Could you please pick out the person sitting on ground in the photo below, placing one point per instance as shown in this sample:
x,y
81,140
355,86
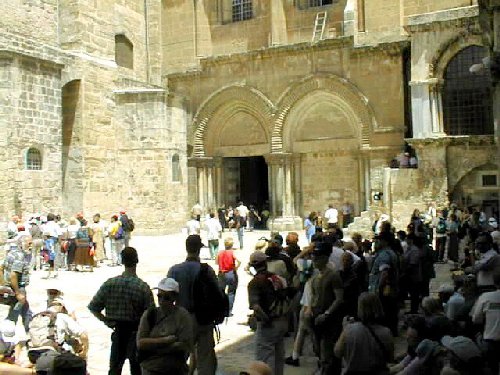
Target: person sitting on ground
x,y
438,324
464,357
69,336
416,332
165,334
364,345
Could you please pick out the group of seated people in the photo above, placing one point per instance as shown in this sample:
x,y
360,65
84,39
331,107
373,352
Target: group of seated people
x,y
55,342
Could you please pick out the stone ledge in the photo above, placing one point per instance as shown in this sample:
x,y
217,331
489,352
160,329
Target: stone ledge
x,y
413,22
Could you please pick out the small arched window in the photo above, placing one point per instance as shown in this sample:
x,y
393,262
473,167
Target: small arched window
x,y
33,159
124,51
176,169
467,97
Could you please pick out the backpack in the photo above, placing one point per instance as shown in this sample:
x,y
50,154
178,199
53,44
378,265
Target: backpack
x,y
119,233
68,363
441,227
130,225
42,330
211,304
282,301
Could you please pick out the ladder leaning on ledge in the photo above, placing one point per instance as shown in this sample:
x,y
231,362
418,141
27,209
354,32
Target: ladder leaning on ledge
x,y
319,27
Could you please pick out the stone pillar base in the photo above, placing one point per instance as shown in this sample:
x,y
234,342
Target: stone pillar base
x,y
285,223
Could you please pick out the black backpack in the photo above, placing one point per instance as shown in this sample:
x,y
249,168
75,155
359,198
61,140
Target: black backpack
x,y
211,304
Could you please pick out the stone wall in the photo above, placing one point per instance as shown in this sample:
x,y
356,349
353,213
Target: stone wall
x,y
31,107
37,19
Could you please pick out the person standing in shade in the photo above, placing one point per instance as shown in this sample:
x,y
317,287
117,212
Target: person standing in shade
x,y
124,298
214,232
228,266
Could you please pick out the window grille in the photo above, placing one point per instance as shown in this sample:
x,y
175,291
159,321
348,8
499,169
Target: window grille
x,y
319,3
467,97
242,10
33,160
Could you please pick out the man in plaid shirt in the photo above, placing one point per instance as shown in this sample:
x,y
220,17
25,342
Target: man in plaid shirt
x,y
125,298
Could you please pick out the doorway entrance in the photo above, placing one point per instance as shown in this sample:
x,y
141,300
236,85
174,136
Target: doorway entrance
x,y
246,179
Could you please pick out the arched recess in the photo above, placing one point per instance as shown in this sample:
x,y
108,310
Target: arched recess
x,y
321,117
222,106
449,49
341,89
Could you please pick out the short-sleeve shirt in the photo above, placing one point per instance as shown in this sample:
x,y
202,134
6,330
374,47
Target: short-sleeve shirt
x,y
185,274
193,227
225,260
261,292
125,298
16,261
323,288
487,310
66,330
179,323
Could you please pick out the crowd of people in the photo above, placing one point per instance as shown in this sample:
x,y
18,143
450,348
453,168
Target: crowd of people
x,y
349,298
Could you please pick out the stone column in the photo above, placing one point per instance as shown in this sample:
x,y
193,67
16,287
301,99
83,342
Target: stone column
x,y
219,199
205,180
427,109
297,183
282,192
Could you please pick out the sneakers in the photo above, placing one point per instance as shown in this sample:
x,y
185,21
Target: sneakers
x,y
292,362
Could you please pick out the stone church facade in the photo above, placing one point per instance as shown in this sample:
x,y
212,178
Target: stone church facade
x,y
152,106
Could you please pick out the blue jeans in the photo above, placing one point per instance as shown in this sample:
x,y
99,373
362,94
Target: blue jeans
x,y
123,346
229,280
213,245
240,236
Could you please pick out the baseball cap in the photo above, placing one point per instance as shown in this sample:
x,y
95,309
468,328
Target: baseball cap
x,y
8,331
493,222
258,257
168,285
463,347
194,241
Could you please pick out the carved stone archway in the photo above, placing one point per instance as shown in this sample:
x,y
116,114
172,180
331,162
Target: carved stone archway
x,y
219,103
339,87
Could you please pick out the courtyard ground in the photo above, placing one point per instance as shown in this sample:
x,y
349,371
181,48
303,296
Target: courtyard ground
x,y
156,255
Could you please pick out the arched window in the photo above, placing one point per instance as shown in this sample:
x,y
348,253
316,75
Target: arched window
x,y
124,51
467,97
176,169
33,159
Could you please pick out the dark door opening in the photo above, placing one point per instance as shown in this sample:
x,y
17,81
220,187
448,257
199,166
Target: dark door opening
x,y
246,180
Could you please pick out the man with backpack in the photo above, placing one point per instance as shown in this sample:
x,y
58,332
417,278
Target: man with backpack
x,y
128,226
124,298
199,293
54,333
269,299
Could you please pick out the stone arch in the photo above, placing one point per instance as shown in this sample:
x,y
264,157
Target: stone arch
x,y
461,179
223,104
449,49
306,120
340,87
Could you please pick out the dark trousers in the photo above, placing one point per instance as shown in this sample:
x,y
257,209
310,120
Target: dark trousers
x,y
326,336
441,247
414,289
492,352
123,346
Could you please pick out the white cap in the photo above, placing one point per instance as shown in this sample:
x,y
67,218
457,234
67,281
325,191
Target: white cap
x,y
168,285
493,222
8,331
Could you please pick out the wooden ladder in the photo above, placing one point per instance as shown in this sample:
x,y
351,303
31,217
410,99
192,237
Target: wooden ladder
x,y
319,27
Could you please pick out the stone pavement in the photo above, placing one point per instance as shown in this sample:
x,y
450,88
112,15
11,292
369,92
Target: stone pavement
x,y
156,255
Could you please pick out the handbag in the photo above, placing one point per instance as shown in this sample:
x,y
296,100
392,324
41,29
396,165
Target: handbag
x,y
64,246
